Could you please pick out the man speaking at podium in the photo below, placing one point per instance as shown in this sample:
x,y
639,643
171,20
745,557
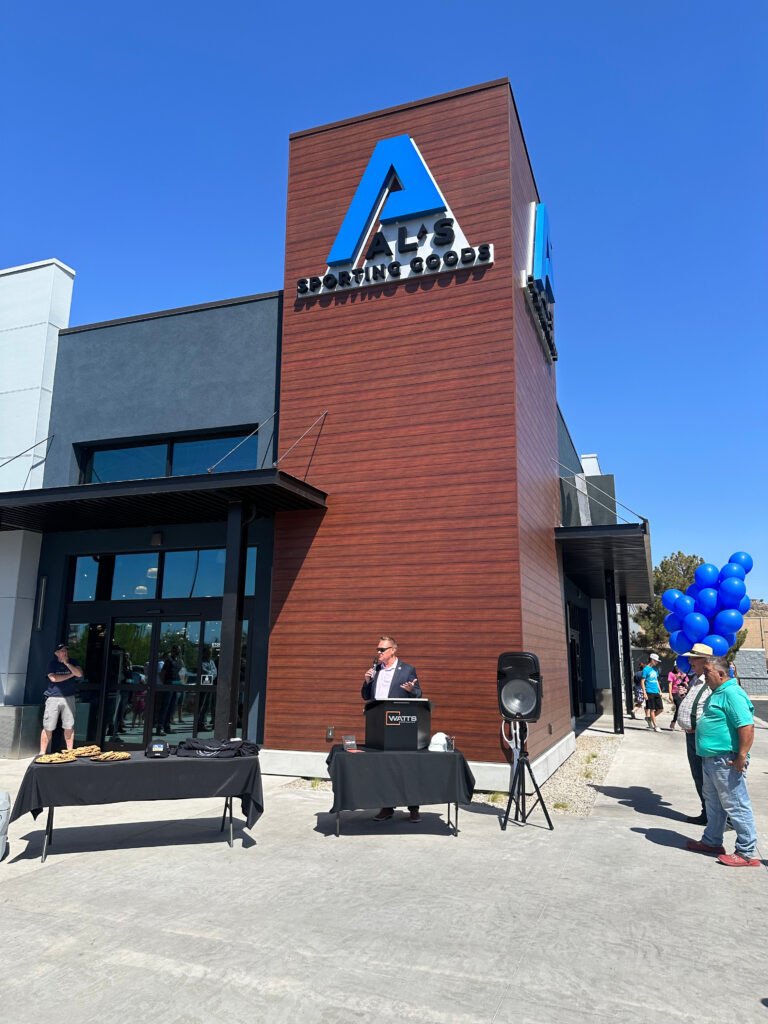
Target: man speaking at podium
x,y
390,677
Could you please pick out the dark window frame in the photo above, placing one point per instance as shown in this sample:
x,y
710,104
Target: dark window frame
x,y
102,585
85,450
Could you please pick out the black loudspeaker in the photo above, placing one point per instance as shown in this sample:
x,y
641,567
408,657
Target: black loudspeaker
x,y
519,686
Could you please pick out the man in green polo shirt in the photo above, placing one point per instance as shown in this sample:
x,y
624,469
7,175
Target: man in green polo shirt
x,y
724,734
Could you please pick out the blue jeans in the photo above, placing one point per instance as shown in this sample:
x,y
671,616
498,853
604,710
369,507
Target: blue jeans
x,y
694,762
726,796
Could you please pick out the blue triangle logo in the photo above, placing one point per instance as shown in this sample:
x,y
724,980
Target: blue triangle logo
x,y
395,186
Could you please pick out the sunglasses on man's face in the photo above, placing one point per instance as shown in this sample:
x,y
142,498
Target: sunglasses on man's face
x,y
382,649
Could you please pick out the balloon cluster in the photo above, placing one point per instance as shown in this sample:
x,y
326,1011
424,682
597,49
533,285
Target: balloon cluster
x,y
712,609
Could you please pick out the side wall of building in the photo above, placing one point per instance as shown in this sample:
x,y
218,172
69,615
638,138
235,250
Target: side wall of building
x,y
543,611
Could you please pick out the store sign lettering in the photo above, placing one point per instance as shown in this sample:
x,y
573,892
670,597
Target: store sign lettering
x,y
416,232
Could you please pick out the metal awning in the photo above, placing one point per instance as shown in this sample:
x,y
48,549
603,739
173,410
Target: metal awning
x,y
588,551
201,498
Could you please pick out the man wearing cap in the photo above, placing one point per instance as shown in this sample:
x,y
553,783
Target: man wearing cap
x,y
724,735
653,702
60,697
688,714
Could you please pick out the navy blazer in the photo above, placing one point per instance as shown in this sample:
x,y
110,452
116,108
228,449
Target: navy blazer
x,y
403,674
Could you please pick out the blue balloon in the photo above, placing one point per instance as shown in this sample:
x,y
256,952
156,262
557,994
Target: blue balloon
x,y
683,663
684,606
719,644
708,602
728,621
732,569
743,559
730,639
706,575
672,623
731,592
744,605
669,597
679,642
693,591
695,626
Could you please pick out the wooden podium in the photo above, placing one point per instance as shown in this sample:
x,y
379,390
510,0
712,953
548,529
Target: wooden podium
x,y
398,724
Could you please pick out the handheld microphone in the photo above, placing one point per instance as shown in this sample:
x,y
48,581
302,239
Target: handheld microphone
x,y
376,666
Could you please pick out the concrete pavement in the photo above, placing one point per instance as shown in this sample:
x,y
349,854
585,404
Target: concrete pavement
x,y
142,910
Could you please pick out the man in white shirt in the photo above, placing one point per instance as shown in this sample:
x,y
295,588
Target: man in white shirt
x,y
390,677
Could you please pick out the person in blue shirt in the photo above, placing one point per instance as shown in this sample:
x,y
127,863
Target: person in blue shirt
x,y
724,735
63,673
653,702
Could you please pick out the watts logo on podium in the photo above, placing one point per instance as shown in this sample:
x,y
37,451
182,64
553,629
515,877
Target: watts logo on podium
x,y
415,230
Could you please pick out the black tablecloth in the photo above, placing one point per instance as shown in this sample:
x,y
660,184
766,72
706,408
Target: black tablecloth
x,y
85,782
398,778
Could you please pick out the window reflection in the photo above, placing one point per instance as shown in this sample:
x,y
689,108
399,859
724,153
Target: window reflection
x,y
186,574
86,574
135,577
190,457
86,641
136,463
194,573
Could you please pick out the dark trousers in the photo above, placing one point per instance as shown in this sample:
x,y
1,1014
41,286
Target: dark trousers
x,y
697,769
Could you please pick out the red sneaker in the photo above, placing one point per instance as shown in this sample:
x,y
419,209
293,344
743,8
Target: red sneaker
x,y
735,860
699,847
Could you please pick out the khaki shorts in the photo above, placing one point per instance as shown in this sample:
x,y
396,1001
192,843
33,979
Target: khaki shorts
x,y
55,706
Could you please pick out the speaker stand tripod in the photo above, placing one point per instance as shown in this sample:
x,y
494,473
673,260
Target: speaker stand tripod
x,y
518,741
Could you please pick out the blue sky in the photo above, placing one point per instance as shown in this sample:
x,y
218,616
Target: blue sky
x,y
146,146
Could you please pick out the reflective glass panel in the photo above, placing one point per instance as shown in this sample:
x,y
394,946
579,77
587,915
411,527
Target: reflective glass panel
x,y
194,573
137,463
190,457
135,577
250,572
86,571
241,710
209,672
176,704
127,685
85,642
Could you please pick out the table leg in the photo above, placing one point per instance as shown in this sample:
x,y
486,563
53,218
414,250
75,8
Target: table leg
x,y
338,823
48,841
456,829
228,808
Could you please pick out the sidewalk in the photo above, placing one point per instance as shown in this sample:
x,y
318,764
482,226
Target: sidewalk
x,y
142,910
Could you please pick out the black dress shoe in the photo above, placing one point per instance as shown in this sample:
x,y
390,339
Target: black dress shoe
x,y
701,819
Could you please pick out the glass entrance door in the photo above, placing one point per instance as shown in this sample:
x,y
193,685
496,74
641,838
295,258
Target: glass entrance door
x,y
158,679
127,683
177,679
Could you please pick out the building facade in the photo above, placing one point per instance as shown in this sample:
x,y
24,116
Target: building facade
x,y
241,497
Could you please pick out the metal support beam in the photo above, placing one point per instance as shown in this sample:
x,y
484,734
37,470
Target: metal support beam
x,y
613,650
629,701
228,679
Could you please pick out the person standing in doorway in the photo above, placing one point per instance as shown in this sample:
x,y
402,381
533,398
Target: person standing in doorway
x,y
63,672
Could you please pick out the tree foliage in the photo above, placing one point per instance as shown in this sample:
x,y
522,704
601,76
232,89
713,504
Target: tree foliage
x,y
677,572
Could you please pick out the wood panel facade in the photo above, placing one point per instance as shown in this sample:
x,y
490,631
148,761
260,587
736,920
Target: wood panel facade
x,y
436,450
